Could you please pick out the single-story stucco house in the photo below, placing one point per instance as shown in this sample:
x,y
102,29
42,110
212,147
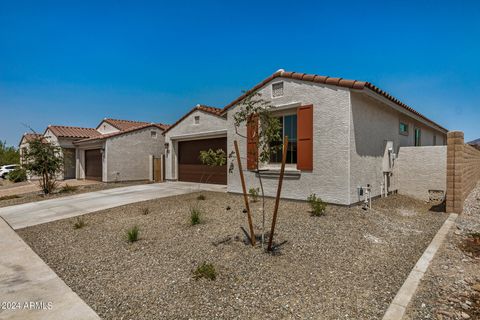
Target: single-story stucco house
x,y
116,150
344,135
123,151
202,128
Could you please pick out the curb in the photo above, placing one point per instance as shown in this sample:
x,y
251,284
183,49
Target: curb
x,y
397,308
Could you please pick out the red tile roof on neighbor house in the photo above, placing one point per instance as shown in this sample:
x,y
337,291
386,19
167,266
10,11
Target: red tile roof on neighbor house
x,y
73,132
31,136
123,124
114,134
339,82
201,107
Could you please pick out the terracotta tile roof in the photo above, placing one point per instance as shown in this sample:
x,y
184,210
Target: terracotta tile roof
x,y
31,136
124,124
73,132
114,134
201,107
339,82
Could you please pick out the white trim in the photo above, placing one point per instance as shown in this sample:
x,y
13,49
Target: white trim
x,y
201,135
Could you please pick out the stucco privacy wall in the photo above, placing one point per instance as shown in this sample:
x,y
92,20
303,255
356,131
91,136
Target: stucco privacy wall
x,y
127,155
420,169
330,176
463,170
372,124
209,126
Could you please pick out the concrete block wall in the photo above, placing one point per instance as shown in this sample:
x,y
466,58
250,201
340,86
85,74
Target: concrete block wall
x,y
463,170
418,170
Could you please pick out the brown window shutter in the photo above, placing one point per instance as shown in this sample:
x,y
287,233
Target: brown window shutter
x,y
305,137
252,142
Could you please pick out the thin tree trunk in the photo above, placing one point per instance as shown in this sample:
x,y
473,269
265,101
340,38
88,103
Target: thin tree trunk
x,y
279,191
245,197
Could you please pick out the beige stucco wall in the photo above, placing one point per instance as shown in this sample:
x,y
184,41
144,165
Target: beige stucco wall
x,y
127,156
372,124
420,169
62,143
105,127
209,126
330,177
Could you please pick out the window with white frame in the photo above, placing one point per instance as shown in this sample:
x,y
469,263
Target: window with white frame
x,y
196,120
277,89
153,134
288,127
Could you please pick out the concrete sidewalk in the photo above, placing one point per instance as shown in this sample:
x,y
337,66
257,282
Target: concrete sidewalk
x,y
30,289
29,214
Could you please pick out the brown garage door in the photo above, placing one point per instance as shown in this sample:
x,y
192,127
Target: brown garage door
x,y
93,164
191,169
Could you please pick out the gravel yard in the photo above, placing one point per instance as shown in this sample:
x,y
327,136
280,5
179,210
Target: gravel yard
x,y
347,264
39,196
451,287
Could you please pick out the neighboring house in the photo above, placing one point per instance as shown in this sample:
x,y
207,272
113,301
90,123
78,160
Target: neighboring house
x,y
64,137
342,133
116,150
122,151
25,143
202,128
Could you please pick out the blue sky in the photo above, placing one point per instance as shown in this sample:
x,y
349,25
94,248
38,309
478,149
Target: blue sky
x,y
74,63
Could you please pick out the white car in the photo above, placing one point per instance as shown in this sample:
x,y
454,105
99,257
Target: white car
x,y
4,170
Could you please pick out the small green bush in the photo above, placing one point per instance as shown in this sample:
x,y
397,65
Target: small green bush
x,y
67,189
132,234
253,192
195,216
201,197
317,205
145,211
17,175
79,223
205,270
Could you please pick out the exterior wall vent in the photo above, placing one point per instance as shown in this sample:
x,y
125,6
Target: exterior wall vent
x,y
277,89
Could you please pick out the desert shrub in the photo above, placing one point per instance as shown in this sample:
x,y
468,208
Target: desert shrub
x,y
201,197
253,192
132,234
79,223
17,175
13,196
145,211
195,215
67,189
205,270
317,205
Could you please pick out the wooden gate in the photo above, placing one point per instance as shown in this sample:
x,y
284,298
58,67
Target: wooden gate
x,y
158,175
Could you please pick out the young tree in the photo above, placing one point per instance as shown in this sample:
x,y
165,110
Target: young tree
x,y
268,141
43,159
8,155
212,158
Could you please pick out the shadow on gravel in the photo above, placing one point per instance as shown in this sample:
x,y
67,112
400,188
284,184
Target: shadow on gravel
x,y
441,207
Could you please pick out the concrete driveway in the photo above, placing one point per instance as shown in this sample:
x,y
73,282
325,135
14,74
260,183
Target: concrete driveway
x,y
29,214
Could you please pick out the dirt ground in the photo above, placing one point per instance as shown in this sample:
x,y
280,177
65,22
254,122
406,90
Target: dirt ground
x,y
11,199
451,287
348,264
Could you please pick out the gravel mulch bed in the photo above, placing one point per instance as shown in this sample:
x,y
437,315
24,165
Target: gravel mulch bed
x,y
348,264
450,288
39,196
